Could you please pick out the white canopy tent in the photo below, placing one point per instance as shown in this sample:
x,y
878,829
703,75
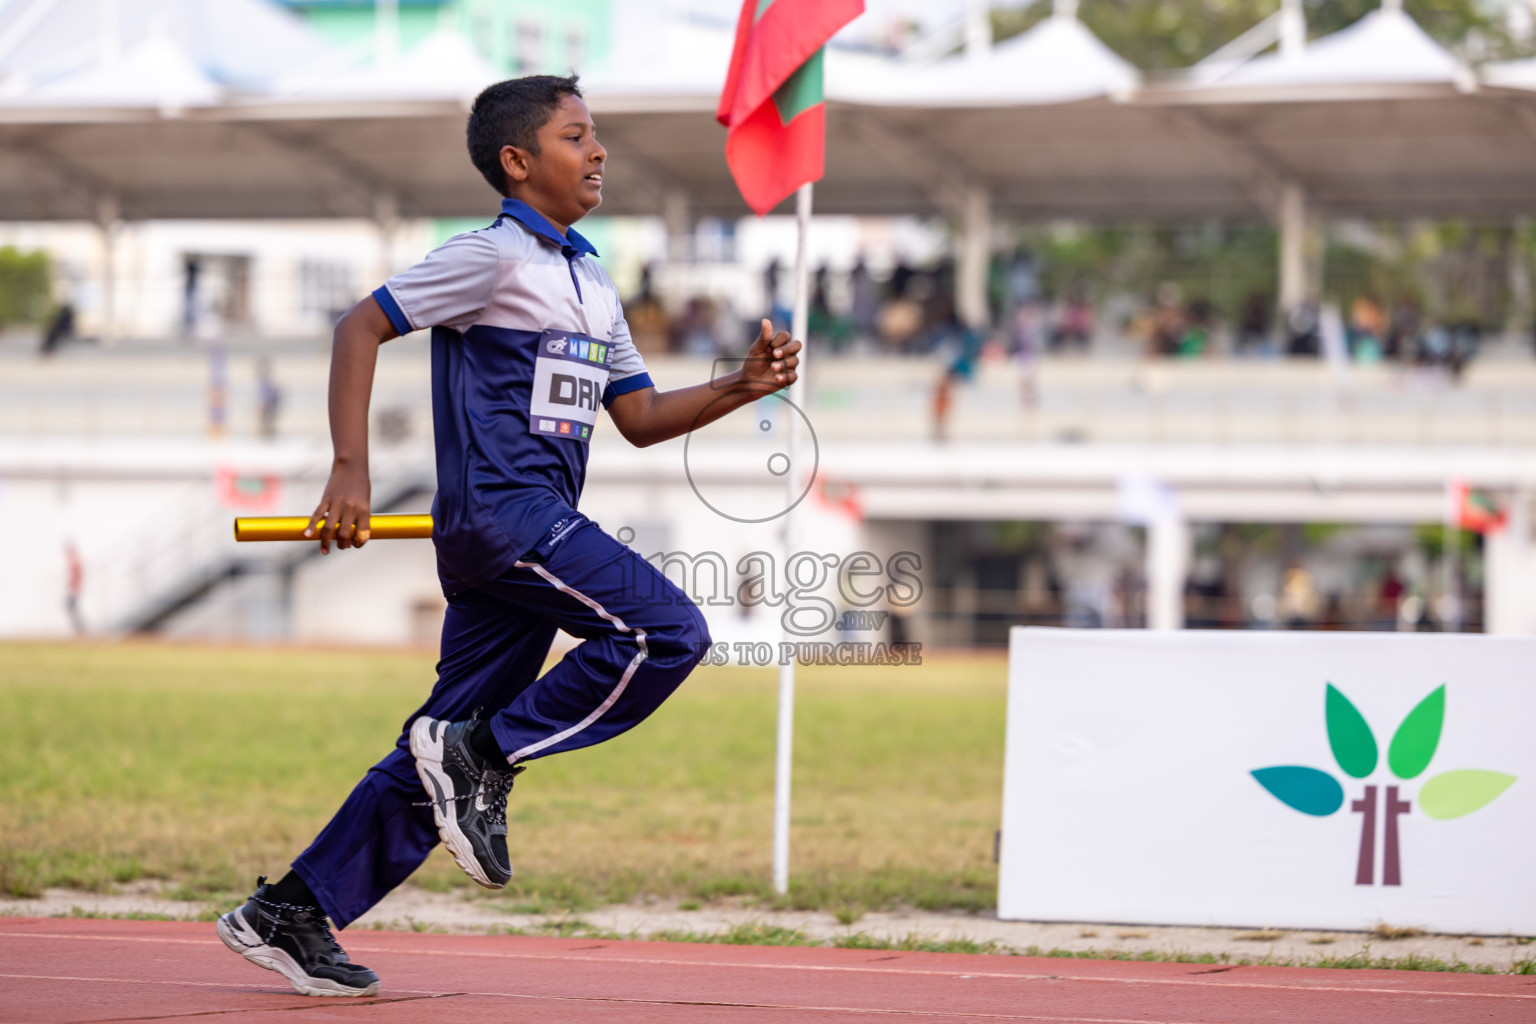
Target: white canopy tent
x,y
443,68
1050,124
237,109
244,45
1377,119
157,75
1514,75
1384,54
1056,61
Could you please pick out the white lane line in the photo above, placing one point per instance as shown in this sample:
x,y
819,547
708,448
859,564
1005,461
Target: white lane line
x,y
845,969
393,997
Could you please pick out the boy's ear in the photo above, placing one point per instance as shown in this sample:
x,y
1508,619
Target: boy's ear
x,y
514,163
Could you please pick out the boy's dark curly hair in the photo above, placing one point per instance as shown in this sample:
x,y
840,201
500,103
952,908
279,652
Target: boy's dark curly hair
x,y
511,113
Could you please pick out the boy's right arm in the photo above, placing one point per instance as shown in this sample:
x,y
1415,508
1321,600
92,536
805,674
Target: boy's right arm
x,y
354,354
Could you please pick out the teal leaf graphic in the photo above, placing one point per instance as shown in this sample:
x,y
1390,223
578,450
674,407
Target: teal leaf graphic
x,y
1305,789
1353,745
1452,794
1415,741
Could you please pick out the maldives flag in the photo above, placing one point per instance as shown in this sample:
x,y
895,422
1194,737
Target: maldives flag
x,y
772,102
1478,511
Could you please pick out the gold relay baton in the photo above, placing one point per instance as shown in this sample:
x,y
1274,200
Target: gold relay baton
x,y
249,528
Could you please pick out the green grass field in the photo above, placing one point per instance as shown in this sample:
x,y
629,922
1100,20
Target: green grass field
x,y
206,767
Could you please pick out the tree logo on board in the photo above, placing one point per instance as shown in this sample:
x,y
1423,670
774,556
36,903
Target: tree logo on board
x,y
1442,797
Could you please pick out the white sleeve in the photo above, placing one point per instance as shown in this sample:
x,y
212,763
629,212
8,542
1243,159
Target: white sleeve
x,y
450,288
626,370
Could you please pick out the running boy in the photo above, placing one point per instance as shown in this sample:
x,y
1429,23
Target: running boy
x,y
527,339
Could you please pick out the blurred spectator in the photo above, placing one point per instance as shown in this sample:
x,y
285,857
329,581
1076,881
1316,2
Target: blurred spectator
x,y
1464,343
1199,322
193,270
902,315
1366,330
779,313
821,305
74,585
269,399
943,399
1023,281
825,326
1435,346
1299,602
1403,330
1388,597
1451,346
1253,333
1167,320
1074,327
1206,596
1410,614
966,343
1334,617
218,389
61,329
901,322
649,325
865,304
697,330
1025,336
1301,332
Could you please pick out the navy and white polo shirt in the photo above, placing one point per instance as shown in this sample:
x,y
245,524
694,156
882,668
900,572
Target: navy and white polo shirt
x,y
527,337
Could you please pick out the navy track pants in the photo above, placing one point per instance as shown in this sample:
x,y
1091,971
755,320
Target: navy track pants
x,y
641,637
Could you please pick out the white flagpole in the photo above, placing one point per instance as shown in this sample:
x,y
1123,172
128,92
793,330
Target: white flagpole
x,y
794,483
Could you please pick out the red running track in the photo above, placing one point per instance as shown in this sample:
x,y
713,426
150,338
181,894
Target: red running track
x,y
54,970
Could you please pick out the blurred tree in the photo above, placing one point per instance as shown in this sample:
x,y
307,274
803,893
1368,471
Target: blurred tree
x,y
1457,271
1220,264
25,286
1158,35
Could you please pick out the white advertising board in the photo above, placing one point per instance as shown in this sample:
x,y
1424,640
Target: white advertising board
x,y
1289,780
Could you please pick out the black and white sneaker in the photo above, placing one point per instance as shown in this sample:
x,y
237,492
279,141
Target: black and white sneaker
x,y
469,797
297,943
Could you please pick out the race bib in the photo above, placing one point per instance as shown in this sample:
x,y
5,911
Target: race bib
x,y
569,377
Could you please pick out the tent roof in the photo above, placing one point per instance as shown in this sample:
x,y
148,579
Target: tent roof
x,y
444,67
676,62
351,141
1518,75
156,74
1057,61
680,64
244,45
1383,55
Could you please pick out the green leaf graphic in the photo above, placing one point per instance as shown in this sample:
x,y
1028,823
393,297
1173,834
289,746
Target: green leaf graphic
x,y
1353,745
1305,789
1452,794
1416,739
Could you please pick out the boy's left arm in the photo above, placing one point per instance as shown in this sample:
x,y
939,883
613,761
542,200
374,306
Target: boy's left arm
x,y
647,416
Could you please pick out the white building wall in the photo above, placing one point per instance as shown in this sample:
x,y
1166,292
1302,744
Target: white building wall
x,y
151,276
1510,559
121,529
386,593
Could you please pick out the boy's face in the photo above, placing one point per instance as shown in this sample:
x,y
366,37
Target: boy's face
x,y
564,181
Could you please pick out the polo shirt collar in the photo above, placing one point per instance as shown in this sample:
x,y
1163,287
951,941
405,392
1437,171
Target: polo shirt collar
x,y
571,243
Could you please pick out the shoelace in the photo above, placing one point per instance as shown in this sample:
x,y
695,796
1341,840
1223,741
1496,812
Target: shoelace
x,y
297,914
337,953
497,784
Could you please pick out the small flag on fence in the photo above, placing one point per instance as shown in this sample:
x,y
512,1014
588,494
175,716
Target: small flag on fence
x,y
1478,511
252,492
772,102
